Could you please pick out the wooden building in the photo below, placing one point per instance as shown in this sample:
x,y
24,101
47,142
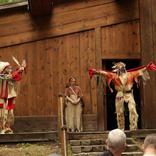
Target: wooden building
x,y
65,39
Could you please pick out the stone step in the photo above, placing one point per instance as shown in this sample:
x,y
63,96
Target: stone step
x,y
132,147
103,134
100,148
130,141
94,142
90,148
87,135
136,153
98,153
86,142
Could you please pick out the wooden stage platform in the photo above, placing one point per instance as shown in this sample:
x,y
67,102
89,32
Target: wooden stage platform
x,y
53,135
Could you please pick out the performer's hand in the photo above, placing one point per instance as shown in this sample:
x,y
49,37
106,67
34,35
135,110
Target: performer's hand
x,y
21,68
76,102
24,64
151,66
92,71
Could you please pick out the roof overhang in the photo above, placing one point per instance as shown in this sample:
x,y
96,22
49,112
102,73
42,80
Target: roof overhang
x,y
40,7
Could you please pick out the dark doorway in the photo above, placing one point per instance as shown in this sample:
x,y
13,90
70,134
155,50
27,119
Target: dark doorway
x,y
110,97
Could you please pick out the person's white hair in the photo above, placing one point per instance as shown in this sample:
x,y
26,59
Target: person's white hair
x,y
116,139
150,140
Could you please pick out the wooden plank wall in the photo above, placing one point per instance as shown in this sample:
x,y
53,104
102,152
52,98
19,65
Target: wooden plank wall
x,y
18,28
75,38
148,44
49,68
125,41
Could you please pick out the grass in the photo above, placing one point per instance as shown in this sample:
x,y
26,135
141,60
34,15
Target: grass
x,y
26,149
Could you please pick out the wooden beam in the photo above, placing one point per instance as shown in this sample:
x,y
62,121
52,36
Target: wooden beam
x,y
40,7
62,21
148,43
101,115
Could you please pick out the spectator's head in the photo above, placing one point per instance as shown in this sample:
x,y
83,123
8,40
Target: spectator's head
x,y
116,141
149,145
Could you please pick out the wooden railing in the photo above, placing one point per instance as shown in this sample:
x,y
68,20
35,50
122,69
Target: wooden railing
x,y
61,126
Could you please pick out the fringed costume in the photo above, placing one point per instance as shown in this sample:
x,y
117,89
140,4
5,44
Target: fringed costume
x,y
123,81
73,110
8,95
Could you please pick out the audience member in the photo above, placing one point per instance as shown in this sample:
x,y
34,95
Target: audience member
x,y
149,145
116,143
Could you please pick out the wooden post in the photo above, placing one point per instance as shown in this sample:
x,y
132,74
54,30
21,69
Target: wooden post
x,y
101,117
61,127
148,48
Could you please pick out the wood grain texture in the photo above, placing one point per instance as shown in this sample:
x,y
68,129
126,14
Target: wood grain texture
x,y
87,55
101,109
75,38
121,41
148,42
50,64
20,27
49,123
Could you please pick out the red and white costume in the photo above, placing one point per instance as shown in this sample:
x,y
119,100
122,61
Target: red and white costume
x,y
7,95
123,84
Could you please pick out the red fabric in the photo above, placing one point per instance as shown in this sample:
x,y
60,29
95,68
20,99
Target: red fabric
x,y
1,105
10,105
135,69
17,75
91,72
151,66
110,76
4,89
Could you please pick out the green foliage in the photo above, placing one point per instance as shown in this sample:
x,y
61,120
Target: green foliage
x,y
9,1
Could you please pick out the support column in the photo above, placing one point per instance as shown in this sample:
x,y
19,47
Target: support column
x,y
101,109
148,48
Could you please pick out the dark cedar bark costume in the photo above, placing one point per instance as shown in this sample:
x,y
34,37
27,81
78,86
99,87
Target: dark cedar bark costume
x,y
8,79
123,81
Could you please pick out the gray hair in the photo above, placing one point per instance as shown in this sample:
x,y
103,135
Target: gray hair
x,y
116,139
150,140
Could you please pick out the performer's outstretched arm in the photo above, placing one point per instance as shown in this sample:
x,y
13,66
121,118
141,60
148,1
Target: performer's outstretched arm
x,y
108,75
142,71
93,71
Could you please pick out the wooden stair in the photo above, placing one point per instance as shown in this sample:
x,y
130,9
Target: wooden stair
x,y
93,143
29,137
95,147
